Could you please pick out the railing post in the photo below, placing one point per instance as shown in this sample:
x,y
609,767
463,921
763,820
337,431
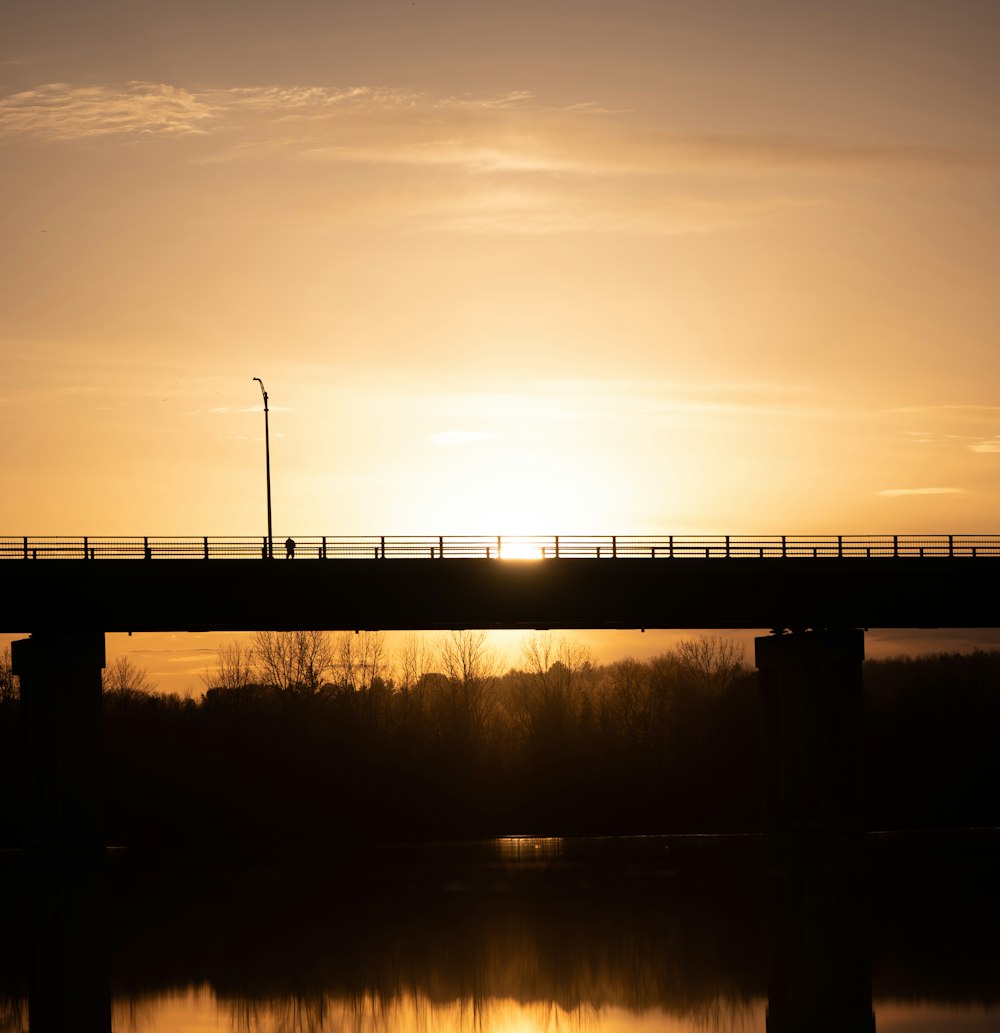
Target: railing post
x,y
951,546
440,546
557,546
727,547
382,545
25,546
670,546
86,550
146,551
614,547
263,548
895,546
598,552
784,547
840,546
498,547
205,545
324,546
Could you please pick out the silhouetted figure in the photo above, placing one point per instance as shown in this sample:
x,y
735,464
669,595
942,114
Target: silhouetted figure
x,y
289,548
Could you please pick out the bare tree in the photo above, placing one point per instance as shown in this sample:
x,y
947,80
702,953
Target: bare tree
x,y
124,677
292,660
547,695
538,650
362,659
233,669
472,667
625,703
416,661
711,661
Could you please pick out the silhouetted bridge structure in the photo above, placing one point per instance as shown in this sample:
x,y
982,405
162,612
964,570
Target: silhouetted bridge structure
x,y
384,582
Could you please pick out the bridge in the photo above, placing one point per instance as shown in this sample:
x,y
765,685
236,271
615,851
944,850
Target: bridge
x,y
444,582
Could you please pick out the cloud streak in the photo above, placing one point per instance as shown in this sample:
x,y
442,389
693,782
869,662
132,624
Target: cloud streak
x,y
988,447
460,437
501,132
62,111
898,492
476,164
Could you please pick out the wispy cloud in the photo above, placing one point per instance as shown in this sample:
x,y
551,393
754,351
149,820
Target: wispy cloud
x,y
460,437
950,408
62,111
895,492
485,163
509,131
955,427
989,445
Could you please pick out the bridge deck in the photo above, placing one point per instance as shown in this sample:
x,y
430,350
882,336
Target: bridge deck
x,y
797,591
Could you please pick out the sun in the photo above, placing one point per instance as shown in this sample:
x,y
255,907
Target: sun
x,y
521,549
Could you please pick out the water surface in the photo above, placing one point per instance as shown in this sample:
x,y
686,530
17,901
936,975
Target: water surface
x,y
673,934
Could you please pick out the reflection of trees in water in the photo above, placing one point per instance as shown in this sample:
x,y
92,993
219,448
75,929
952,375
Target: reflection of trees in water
x,y
13,1015
140,1013
415,1013
567,939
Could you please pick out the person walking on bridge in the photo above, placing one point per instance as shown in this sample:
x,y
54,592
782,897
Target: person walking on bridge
x,y
289,548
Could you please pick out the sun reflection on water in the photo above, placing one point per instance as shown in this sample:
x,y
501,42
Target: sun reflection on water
x,y
530,848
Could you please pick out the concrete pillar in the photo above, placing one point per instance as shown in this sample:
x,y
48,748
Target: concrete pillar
x,y
814,819
60,676
813,731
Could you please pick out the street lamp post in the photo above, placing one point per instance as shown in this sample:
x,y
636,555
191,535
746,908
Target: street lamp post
x,y
267,461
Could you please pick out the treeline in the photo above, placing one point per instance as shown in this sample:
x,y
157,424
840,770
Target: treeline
x,y
315,736
309,736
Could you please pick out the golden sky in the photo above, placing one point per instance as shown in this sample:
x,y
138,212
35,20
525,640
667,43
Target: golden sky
x,y
552,266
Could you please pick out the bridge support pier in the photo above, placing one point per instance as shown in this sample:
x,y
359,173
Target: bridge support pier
x,y
820,967
813,730
60,676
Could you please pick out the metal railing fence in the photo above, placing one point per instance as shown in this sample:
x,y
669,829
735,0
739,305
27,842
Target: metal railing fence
x,y
522,547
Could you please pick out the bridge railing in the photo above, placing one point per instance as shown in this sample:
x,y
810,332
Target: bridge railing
x,y
513,547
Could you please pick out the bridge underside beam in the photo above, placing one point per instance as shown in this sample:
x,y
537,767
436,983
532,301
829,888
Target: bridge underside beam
x,y
414,594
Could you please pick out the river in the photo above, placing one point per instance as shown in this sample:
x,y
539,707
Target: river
x,y
519,935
